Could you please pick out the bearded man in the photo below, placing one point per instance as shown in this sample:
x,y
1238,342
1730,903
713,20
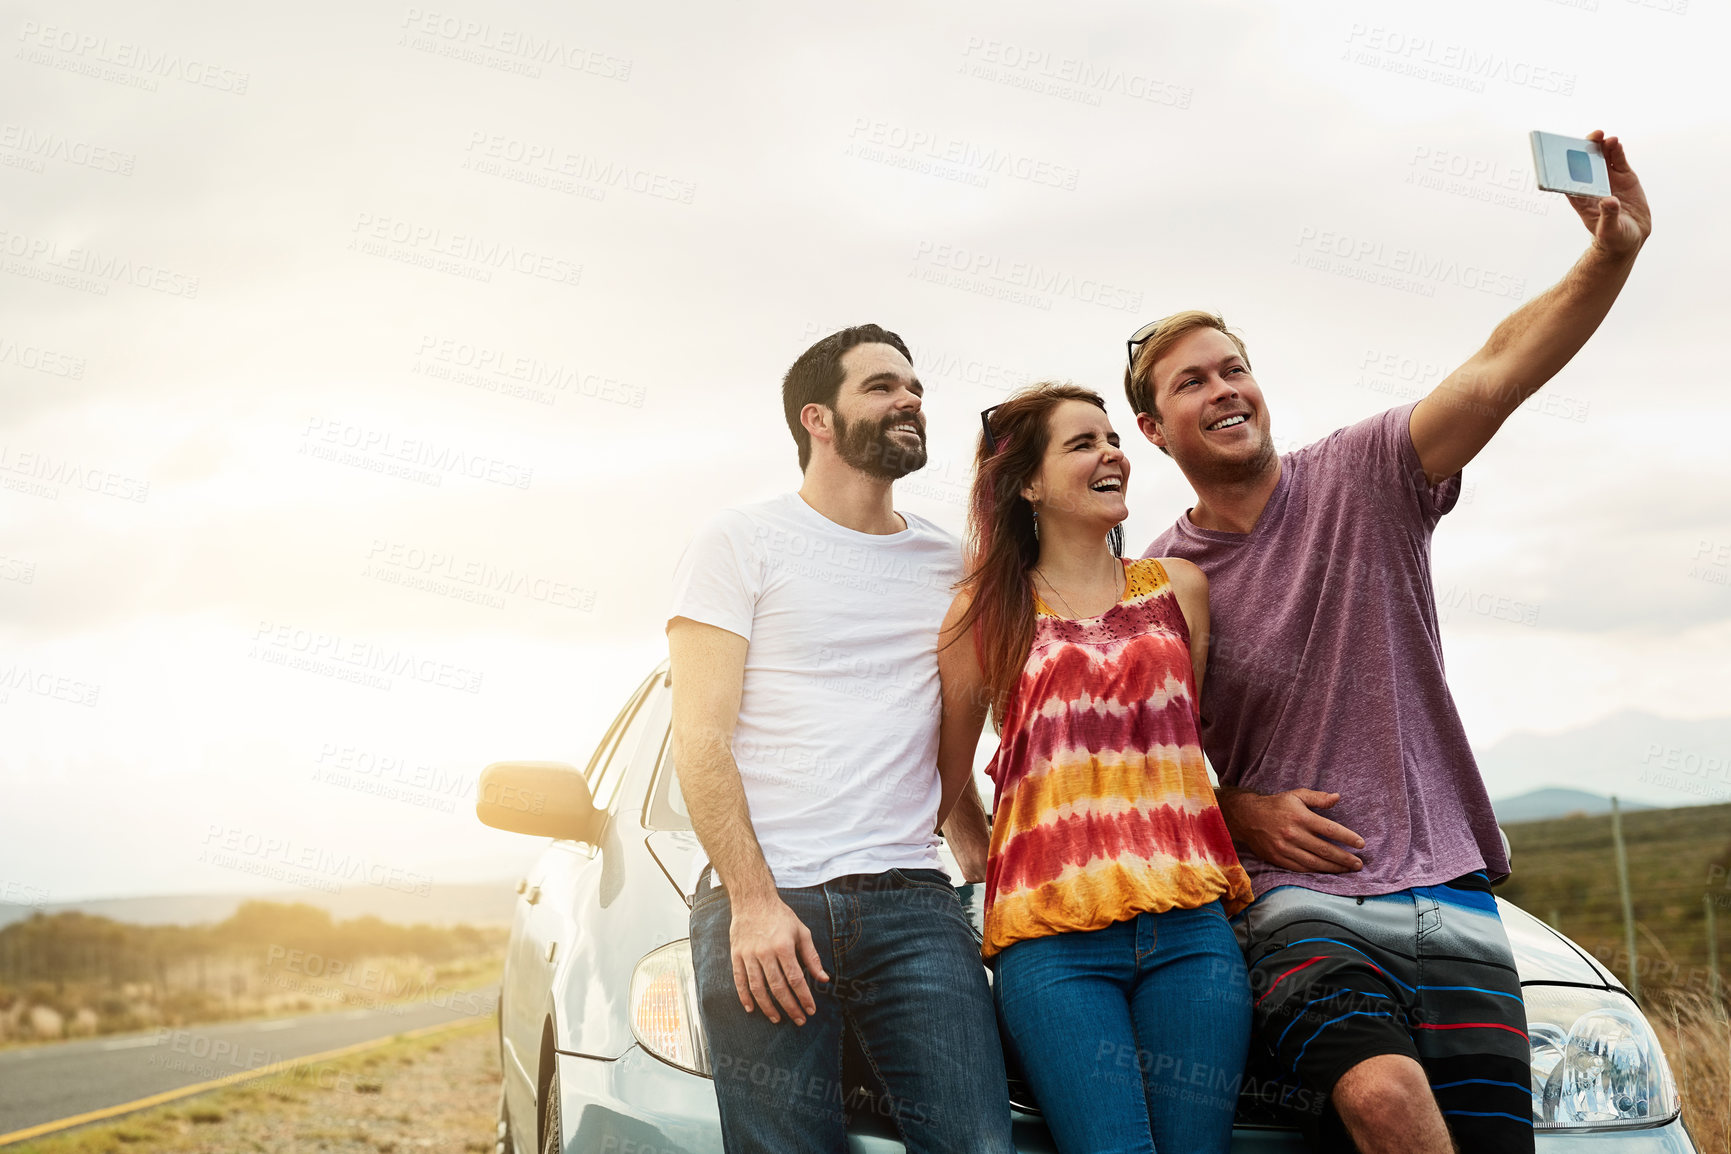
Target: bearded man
x,y
803,643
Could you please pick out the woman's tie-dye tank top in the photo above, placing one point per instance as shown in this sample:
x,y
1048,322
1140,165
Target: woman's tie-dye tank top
x,y
1103,807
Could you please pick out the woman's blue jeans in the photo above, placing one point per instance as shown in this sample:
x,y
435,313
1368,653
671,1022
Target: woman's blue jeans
x,y
1132,1037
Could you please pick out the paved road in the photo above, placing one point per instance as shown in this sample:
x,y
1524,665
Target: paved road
x,y
60,1080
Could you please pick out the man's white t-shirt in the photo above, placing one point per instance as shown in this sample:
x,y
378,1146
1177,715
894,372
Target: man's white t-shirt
x,y
837,737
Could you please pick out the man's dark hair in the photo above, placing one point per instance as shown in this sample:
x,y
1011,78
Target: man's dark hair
x,y
816,377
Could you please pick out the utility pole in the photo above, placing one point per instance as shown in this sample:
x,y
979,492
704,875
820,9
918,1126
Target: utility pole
x,y
1628,901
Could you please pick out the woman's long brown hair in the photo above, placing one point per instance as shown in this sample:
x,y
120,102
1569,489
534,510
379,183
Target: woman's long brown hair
x,y
1002,548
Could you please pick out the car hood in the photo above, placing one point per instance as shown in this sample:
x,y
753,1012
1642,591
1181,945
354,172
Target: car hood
x,y
1541,953
1544,955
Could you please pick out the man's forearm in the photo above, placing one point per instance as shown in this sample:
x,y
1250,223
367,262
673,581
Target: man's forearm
x,y
1533,343
1224,797
715,798
1460,416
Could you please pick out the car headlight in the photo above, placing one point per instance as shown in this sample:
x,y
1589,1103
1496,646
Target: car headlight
x,y
1596,1062
664,1008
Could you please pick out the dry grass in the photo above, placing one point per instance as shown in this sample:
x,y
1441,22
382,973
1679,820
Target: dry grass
x,y
253,991
1696,1036
437,1094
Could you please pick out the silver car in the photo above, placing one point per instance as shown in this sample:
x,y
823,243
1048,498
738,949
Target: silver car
x,y
603,1052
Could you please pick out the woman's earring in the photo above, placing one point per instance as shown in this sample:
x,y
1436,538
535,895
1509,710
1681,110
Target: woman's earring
x,y
1036,524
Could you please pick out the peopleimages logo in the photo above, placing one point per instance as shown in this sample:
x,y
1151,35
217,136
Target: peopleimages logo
x,y
56,471
40,145
823,557
463,254
40,360
225,845
1398,266
1484,179
932,152
494,154
527,49
1067,77
1453,65
89,52
324,438
1019,281
363,661
486,580
371,978
58,687
103,268
496,369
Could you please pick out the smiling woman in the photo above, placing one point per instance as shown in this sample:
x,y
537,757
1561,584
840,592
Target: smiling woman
x,y
1106,836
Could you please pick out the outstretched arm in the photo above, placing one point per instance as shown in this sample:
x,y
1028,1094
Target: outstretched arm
x,y
768,940
1533,343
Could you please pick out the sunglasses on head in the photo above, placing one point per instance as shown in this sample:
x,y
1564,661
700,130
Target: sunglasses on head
x,y
986,427
1138,338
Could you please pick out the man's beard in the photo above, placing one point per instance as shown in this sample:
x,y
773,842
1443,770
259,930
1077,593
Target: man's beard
x,y
874,451
1214,471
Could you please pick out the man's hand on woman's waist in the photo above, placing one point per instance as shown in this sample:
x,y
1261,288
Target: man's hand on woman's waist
x,y
1284,829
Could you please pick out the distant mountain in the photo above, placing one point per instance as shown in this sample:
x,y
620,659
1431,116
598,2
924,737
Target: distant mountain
x,y
1544,804
1661,761
477,904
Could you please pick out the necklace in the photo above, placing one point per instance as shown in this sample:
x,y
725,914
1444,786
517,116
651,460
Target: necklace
x,y
1074,616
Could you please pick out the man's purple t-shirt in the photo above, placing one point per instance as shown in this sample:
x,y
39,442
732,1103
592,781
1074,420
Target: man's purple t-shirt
x,y
1325,667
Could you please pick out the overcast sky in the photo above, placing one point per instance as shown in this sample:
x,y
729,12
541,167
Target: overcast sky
x,y
306,310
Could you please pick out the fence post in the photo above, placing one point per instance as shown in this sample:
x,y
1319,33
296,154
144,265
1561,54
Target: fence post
x,y
1712,949
1628,902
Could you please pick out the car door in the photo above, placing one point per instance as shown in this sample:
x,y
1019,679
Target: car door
x,y
540,917
563,899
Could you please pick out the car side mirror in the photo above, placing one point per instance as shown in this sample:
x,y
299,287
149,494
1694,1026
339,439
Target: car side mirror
x,y
538,798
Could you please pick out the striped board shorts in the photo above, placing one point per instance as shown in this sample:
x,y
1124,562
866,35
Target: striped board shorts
x,y
1426,972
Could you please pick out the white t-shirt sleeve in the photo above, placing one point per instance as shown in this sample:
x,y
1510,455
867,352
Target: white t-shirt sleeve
x,y
719,576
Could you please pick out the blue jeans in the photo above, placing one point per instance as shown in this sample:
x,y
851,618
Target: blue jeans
x,y
1132,1037
905,974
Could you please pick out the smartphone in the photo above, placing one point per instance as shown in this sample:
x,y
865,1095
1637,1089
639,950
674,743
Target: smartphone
x,y
1569,164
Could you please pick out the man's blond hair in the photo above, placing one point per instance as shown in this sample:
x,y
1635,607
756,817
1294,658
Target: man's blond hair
x,y
1139,376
